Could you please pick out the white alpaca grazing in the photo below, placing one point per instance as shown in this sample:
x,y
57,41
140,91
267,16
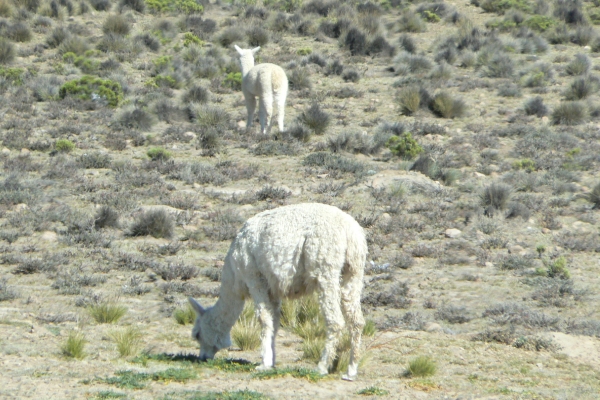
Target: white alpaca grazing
x,y
290,252
266,81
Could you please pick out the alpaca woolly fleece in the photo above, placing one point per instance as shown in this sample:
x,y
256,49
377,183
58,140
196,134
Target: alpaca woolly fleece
x,y
290,252
266,81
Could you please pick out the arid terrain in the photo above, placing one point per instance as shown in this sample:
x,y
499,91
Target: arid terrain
x,y
463,136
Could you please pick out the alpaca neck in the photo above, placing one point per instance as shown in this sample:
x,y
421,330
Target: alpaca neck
x,y
247,65
229,306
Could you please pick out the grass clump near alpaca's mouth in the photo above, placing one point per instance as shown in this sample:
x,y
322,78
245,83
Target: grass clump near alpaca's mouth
x,y
127,379
128,340
245,334
303,373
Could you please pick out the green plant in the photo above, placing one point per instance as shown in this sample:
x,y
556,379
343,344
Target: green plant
x,y
128,340
409,99
540,23
370,328
446,106
373,391
74,346
558,269
246,332
64,145
116,24
421,366
90,88
233,80
14,75
430,16
158,154
525,164
501,6
7,51
185,315
184,6
569,113
109,394
189,39
303,373
315,118
107,312
304,51
404,146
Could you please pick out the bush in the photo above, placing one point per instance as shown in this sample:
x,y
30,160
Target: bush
x,y
594,196
540,23
183,6
299,79
7,51
407,43
19,32
149,41
136,118
158,154
409,99
57,36
580,65
356,42
74,345
106,217
230,36
569,113
107,312
185,315
196,94
509,90
404,146
444,105
116,24
496,196
299,132
101,5
73,44
64,146
421,367
581,88
536,106
558,269
257,36
157,223
135,5
7,293
411,22
90,88
315,119
583,35
499,66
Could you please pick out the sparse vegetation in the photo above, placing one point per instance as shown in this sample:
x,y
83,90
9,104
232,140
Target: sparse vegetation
x,y
107,312
74,346
128,340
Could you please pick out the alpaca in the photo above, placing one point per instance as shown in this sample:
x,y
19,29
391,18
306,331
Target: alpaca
x,y
266,81
289,252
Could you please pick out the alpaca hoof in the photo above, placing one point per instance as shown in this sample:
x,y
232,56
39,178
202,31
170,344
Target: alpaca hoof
x,y
349,378
263,368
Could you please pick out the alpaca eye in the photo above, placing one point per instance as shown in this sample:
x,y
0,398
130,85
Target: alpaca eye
x,y
198,335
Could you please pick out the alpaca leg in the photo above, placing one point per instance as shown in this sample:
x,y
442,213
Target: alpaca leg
x,y
329,299
266,111
266,315
351,288
276,307
251,107
280,100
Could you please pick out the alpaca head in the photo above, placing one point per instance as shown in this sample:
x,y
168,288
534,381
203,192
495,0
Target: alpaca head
x,y
246,58
206,333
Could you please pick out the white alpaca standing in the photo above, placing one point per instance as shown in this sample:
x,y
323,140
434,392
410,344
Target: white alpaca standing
x,y
290,252
266,81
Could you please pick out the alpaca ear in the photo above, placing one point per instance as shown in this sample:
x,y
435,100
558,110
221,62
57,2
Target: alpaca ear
x,y
238,49
196,306
255,50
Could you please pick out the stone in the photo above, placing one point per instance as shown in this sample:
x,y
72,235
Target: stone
x,y
20,207
452,233
49,236
190,135
433,327
5,151
24,151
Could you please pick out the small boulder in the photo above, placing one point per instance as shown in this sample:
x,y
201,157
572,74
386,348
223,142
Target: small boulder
x,y
452,233
49,236
433,327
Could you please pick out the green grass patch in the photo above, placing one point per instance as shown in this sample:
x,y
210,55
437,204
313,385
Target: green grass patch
x,y
107,313
221,364
127,379
302,373
183,6
64,146
185,315
127,340
421,367
373,391
227,395
74,345
109,394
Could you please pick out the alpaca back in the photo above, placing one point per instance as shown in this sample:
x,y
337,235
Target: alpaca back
x,y
265,79
290,247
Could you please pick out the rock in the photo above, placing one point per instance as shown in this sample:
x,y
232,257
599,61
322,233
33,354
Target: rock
x,y
433,327
49,236
545,120
479,175
546,230
515,249
190,135
452,233
489,264
20,207
241,124
5,151
24,151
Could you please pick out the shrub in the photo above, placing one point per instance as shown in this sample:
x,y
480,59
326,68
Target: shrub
x,y
158,154
257,36
233,80
536,106
407,43
509,90
101,5
57,36
116,24
230,36
356,42
373,391
569,113
581,88
183,6
404,146
90,88
444,105
540,23
74,44
496,196
409,99
411,22
149,41
299,79
315,119
74,345
157,223
583,35
136,118
7,51
196,94
64,145
594,196
499,65
19,32
580,65
300,132
105,217
106,312
7,293
539,75
558,269
421,367
350,76
135,5
128,340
